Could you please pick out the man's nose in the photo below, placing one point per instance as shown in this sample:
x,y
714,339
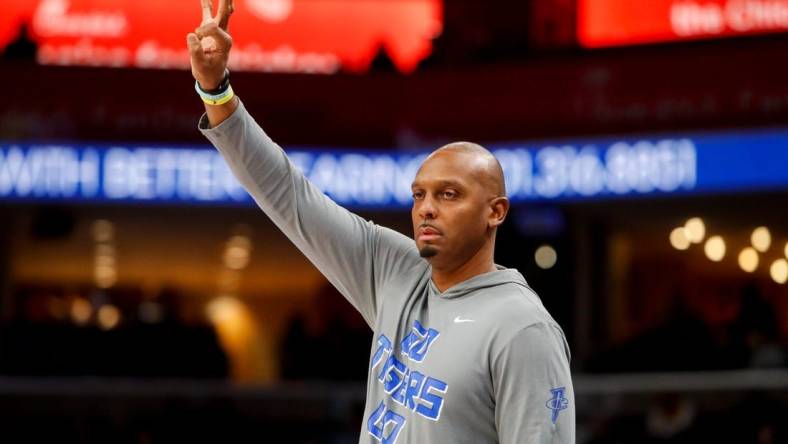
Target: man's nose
x,y
427,209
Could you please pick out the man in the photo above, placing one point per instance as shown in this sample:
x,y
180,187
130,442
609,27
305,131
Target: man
x,y
464,351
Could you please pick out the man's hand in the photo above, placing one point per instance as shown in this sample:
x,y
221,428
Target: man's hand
x,y
209,44
209,47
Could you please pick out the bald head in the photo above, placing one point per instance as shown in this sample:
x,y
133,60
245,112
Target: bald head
x,y
459,201
481,164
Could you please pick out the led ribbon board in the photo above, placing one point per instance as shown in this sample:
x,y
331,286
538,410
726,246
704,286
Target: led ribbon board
x,y
303,36
602,23
574,170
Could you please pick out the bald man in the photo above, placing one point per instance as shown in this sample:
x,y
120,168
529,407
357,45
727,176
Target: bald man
x,y
463,351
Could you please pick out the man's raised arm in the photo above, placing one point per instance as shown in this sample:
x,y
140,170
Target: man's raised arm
x,y
356,256
209,48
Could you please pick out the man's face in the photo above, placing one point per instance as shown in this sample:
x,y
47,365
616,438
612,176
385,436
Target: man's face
x,y
451,209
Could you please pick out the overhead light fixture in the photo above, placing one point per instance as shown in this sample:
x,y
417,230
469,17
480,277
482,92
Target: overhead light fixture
x,y
695,230
678,238
545,257
715,248
779,271
81,311
748,259
108,317
761,239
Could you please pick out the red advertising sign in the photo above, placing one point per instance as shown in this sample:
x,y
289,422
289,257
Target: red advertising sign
x,y
305,36
624,22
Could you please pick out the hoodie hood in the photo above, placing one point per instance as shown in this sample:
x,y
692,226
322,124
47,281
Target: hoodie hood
x,y
500,276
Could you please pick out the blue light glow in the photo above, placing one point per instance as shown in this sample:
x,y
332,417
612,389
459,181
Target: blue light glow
x,y
575,170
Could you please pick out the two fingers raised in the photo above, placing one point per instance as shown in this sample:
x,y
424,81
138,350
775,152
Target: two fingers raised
x,y
222,17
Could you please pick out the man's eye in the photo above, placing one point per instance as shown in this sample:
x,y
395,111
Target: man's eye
x,y
449,194
418,194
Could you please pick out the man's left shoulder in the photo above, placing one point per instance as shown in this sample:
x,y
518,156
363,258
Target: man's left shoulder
x,y
522,315
516,306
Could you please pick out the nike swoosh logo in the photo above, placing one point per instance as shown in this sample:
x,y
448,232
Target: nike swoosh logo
x,y
459,320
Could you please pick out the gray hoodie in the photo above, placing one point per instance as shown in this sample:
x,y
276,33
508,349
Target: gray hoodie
x,y
482,362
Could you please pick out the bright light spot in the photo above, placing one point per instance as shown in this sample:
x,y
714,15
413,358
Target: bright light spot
x,y
105,271
748,259
105,261
151,312
695,230
761,239
715,248
236,258
105,276
786,249
81,310
237,329
103,230
105,250
545,257
224,309
678,238
779,271
236,255
240,242
108,317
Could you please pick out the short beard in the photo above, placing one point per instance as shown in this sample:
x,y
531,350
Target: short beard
x,y
428,251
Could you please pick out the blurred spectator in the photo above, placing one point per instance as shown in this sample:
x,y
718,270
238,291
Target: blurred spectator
x,y
683,342
335,347
756,331
38,342
746,335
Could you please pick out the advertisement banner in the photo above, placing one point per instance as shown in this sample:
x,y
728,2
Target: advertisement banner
x,y
576,170
602,23
290,36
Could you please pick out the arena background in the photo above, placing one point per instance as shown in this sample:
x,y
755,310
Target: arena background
x,y
144,298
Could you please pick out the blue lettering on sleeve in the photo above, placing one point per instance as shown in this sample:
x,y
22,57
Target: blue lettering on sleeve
x,y
557,403
430,407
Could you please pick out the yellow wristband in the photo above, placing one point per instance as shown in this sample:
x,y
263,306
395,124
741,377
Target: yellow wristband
x,y
219,100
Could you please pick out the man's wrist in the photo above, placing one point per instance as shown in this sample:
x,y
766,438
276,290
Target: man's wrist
x,y
222,97
216,89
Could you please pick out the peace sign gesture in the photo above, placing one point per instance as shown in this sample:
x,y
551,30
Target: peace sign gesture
x,y
209,44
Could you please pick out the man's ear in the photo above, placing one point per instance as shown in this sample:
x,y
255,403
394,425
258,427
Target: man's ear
x,y
500,208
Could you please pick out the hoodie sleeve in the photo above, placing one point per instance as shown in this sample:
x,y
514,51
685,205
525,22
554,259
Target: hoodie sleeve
x,y
357,256
534,398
